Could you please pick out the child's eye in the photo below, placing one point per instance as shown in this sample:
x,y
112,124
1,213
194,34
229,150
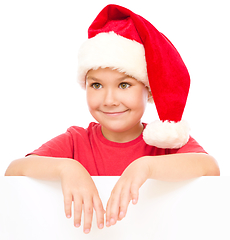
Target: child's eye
x,y
96,85
124,85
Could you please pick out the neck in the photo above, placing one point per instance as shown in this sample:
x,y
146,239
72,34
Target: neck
x,y
122,137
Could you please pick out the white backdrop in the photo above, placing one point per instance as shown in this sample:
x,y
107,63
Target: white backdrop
x,y
39,41
194,209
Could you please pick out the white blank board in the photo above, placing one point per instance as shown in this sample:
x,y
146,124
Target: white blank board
x,y
196,209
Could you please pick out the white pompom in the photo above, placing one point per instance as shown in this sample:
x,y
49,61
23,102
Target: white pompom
x,y
166,134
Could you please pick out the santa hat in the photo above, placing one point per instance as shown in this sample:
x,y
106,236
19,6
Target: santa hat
x,y
123,40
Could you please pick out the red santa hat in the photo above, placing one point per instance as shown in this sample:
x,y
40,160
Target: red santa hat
x,y
123,40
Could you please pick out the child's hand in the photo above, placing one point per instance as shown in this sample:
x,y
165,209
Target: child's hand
x,y
126,189
78,186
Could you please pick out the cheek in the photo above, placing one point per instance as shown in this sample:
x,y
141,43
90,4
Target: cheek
x,y
145,95
91,100
139,98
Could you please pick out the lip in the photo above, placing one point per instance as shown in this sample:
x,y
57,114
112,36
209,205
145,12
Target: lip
x,y
114,113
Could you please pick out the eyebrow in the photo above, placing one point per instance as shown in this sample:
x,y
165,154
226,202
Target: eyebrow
x,y
92,78
118,79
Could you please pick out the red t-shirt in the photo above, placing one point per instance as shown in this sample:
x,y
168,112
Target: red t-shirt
x,y
100,156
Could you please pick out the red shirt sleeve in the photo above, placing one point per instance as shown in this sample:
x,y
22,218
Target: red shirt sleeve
x,y
192,146
60,146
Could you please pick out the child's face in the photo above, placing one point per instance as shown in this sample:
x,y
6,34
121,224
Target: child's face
x,y
116,100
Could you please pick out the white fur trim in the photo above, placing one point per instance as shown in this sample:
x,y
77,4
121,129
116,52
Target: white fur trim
x,y
114,51
167,134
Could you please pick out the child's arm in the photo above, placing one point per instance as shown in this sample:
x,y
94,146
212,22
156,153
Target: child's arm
x,y
77,185
174,167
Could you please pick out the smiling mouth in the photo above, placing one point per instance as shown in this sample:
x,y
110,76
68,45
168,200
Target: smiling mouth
x,y
115,113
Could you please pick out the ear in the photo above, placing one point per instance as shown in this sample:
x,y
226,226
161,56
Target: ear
x,y
150,96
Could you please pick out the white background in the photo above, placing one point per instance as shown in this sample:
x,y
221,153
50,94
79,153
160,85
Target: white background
x,y
39,42
194,209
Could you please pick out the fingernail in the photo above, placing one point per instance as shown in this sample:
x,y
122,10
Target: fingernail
x,y
77,225
121,215
112,221
107,224
86,231
101,225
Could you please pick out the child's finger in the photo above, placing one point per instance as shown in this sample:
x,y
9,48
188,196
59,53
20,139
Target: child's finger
x,y
134,193
68,204
112,209
99,212
124,202
88,215
77,211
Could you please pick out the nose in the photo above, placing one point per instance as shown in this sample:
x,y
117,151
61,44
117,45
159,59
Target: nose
x,y
111,98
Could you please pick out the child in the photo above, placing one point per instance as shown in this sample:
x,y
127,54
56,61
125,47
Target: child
x,y
124,64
